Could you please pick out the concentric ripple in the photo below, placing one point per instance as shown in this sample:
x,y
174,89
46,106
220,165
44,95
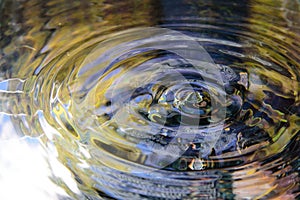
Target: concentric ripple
x,y
149,91
202,106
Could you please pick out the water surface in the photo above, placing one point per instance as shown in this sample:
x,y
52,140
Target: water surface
x,y
150,99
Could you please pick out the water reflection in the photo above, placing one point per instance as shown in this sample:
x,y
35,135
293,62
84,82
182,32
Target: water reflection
x,y
24,167
94,104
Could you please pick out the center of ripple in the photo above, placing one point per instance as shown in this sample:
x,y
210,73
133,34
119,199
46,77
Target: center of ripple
x,y
147,96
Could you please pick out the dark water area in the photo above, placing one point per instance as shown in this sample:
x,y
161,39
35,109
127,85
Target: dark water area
x,y
150,99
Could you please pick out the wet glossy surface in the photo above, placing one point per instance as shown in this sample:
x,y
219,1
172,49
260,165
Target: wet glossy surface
x,y
151,99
